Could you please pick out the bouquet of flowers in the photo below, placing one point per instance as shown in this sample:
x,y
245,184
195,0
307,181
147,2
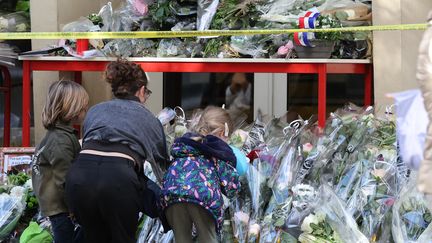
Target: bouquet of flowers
x,y
340,220
12,206
317,230
411,216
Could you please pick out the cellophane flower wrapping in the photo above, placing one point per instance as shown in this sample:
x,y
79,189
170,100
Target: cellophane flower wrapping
x,y
412,218
12,205
340,220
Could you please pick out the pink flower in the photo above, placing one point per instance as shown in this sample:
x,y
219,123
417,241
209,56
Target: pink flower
x,y
390,201
285,49
307,147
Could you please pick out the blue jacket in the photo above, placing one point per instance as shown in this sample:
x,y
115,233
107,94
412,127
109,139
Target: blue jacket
x,y
200,173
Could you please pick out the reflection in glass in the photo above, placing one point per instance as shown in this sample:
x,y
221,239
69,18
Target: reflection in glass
x,y
341,89
198,90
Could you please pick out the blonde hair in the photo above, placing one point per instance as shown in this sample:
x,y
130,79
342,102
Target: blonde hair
x,y
65,101
214,120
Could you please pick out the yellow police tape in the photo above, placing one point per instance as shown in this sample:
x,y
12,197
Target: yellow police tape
x,y
174,34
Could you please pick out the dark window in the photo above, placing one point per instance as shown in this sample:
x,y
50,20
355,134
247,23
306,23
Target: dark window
x,y
198,90
341,89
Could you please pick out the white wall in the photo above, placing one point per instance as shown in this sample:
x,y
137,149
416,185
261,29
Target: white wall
x,y
395,52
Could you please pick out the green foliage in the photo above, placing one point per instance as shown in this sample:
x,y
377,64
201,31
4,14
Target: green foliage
x,y
325,22
18,179
23,5
95,19
160,11
236,14
212,47
31,201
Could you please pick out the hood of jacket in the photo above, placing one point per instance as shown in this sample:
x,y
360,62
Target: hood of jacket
x,y
209,146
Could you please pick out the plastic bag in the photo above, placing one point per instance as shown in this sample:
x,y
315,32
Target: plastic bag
x,y
339,219
411,217
35,234
377,194
240,209
126,18
81,25
334,4
248,45
206,11
356,49
183,9
256,135
285,176
14,22
11,207
106,13
152,232
166,115
411,129
170,48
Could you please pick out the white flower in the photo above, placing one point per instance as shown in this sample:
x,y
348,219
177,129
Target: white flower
x,y
28,184
17,192
242,217
305,227
320,216
254,229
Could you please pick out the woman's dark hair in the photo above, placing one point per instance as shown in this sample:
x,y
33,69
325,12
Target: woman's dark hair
x,y
125,77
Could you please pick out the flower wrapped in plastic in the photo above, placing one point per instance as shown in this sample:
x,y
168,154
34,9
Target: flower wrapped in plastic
x,y
284,178
257,176
317,230
316,158
377,194
153,232
12,206
411,217
269,228
256,135
330,222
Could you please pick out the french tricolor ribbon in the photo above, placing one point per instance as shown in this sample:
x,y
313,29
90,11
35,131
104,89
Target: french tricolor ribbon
x,y
302,38
308,21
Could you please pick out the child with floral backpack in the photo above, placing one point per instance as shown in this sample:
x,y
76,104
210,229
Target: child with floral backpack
x,y
202,170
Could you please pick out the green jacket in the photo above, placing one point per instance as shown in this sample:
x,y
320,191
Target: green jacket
x,y
52,159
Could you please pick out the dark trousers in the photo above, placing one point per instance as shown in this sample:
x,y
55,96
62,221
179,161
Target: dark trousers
x,y
64,229
104,194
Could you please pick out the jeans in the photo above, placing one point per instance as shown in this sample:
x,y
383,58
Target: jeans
x,y
64,229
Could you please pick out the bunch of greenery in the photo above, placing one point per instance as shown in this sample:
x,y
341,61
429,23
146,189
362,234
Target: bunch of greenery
x,y
236,14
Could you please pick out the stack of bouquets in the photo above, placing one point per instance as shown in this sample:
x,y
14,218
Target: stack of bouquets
x,y
352,169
